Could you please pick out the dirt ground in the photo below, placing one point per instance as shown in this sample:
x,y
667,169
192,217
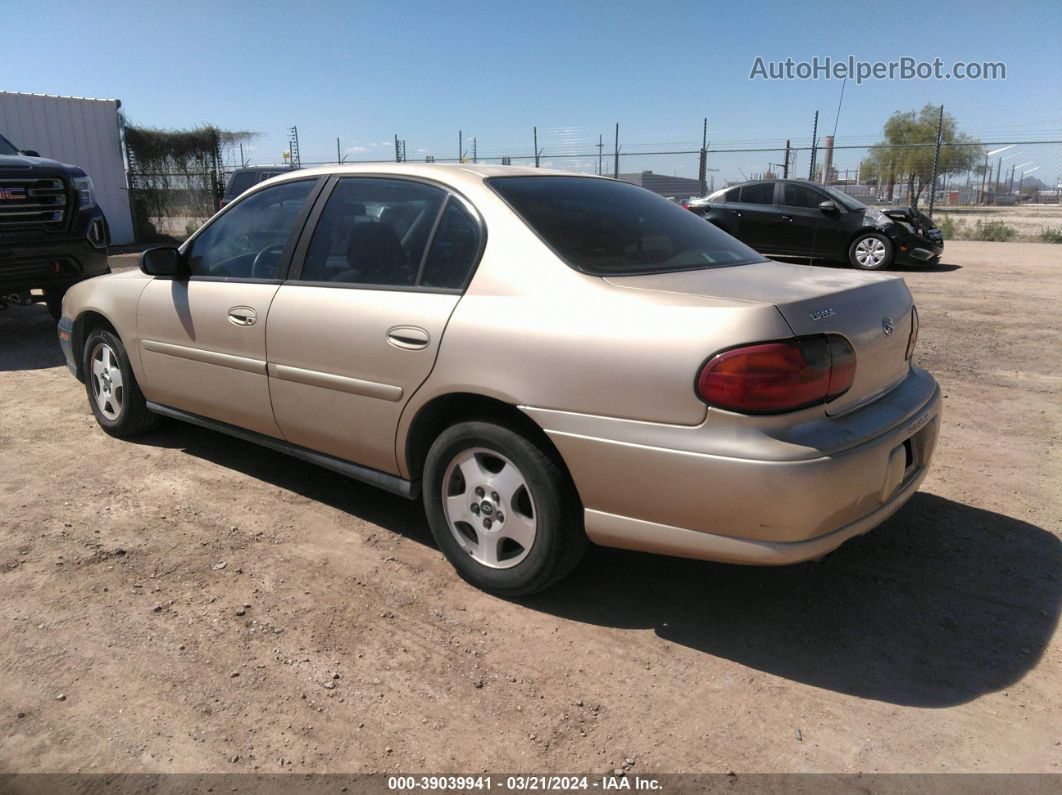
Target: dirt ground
x,y
190,602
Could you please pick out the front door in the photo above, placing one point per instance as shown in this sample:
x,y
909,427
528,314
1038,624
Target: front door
x,y
203,338
356,330
800,218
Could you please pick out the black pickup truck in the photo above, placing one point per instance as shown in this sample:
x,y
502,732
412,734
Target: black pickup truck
x,y
52,232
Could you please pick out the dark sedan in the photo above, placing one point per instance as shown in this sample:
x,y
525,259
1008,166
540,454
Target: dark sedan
x,y
794,218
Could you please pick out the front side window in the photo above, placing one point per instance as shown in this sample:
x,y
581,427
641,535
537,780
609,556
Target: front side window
x,y
6,147
247,241
796,195
609,228
373,231
758,193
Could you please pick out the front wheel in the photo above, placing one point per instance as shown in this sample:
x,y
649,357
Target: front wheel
x,y
501,510
113,393
871,252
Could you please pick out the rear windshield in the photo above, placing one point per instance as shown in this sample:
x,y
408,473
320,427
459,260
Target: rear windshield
x,y
610,228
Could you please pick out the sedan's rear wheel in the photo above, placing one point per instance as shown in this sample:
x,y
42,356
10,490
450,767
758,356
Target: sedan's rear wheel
x,y
871,252
501,509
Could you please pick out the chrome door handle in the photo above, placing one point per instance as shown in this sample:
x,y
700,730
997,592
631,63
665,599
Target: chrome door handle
x,y
410,338
736,212
787,218
242,316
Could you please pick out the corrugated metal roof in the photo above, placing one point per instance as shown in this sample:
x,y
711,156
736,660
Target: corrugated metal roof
x,y
60,96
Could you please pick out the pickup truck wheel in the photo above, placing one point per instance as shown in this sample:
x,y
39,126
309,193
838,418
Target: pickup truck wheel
x,y
53,299
114,395
871,252
501,510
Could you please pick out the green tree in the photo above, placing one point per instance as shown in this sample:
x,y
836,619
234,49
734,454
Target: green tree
x,y
906,153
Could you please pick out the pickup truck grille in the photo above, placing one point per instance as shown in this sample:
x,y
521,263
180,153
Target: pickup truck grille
x,y
26,202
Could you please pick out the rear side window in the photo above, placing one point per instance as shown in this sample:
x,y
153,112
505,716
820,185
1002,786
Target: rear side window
x,y
373,231
610,228
760,193
454,249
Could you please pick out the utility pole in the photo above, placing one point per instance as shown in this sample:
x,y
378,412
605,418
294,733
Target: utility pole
x,y
936,161
398,154
984,182
703,170
600,151
460,147
535,130
785,166
475,156
293,148
615,166
243,163
339,158
814,139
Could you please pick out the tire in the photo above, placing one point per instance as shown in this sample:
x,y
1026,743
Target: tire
x,y
113,393
874,249
53,299
539,538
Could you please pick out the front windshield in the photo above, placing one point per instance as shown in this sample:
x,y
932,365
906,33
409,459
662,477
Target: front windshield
x,y
6,147
610,228
845,199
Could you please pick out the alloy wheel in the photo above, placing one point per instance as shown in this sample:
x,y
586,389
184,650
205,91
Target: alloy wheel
x,y
870,252
108,388
489,508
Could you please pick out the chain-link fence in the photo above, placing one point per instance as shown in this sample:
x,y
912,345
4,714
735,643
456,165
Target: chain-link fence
x,y
993,190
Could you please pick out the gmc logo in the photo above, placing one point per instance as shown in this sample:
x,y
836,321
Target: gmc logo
x,y
12,194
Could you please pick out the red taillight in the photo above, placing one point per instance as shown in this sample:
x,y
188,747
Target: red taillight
x,y
778,376
913,339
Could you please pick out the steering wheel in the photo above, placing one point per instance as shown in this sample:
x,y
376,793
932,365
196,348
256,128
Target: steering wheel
x,y
260,263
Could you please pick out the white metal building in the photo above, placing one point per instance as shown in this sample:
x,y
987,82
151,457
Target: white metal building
x,y
80,131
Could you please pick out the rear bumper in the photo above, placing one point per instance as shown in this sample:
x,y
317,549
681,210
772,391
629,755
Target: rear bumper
x,y
802,496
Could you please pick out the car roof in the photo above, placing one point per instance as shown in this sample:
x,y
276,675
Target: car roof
x,y
450,173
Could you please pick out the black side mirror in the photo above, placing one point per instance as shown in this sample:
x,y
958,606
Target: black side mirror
x,y
31,153
163,261
828,206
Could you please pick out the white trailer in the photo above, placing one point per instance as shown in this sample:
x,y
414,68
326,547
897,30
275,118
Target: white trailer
x,y
79,131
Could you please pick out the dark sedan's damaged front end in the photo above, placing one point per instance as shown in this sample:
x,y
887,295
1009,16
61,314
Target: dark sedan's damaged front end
x,y
917,239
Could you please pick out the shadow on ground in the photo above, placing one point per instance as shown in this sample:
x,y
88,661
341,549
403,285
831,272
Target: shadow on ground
x,y
941,604
28,339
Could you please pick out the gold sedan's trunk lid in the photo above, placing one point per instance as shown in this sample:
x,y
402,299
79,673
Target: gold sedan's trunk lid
x,y
872,311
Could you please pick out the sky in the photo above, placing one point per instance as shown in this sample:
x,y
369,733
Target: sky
x,y
366,71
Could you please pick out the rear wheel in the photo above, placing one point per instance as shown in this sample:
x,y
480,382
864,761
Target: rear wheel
x,y
114,395
871,252
501,510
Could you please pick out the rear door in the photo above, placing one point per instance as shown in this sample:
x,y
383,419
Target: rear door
x,y
203,339
356,329
758,216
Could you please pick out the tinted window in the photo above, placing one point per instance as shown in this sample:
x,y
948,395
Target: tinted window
x,y
606,227
796,195
240,182
6,147
760,193
373,231
845,200
247,241
732,194
453,251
